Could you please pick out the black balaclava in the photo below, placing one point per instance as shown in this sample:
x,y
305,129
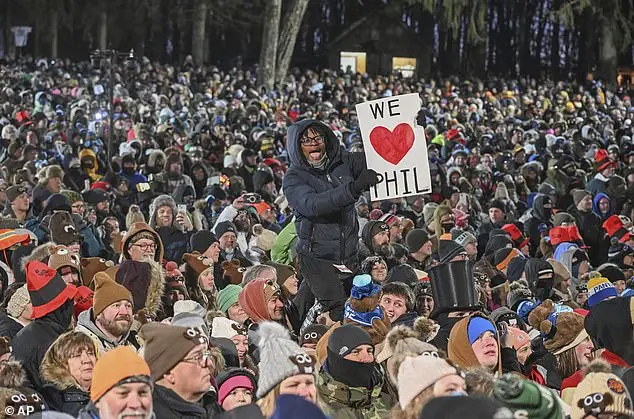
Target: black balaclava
x,y
343,341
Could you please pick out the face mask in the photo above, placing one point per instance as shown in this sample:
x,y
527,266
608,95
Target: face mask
x,y
548,212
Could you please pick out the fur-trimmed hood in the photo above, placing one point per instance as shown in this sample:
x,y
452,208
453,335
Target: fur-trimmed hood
x,y
13,375
40,253
158,202
57,376
137,228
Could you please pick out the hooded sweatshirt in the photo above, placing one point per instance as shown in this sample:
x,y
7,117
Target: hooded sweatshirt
x,y
459,349
92,172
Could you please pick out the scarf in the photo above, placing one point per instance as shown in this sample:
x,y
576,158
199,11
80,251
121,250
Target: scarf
x,y
321,164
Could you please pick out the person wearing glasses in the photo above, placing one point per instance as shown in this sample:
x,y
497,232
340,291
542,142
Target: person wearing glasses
x,y
179,360
322,185
141,271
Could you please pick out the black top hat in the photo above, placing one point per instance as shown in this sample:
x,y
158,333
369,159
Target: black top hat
x,y
453,287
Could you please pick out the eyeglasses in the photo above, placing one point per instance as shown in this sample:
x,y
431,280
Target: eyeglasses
x,y
319,139
78,206
145,246
200,358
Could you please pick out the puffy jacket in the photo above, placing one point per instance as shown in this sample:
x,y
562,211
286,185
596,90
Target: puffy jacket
x,y
352,402
323,200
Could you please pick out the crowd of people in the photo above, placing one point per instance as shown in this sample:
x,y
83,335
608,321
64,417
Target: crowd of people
x,y
213,253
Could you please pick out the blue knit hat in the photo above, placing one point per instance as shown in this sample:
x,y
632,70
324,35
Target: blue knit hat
x,y
600,289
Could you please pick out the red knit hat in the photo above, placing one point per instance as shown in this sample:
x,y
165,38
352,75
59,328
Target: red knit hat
x,y
601,160
47,289
615,227
516,235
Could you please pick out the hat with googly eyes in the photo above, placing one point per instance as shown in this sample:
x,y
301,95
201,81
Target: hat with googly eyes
x,y
166,346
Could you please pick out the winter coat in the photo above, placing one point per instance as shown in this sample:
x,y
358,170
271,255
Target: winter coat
x,y
175,243
61,391
598,184
168,404
91,244
31,343
8,325
323,200
591,230
352,402
281,252
133,179
531,227
39,195
86,324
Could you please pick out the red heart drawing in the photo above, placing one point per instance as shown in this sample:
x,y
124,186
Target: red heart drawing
x,y
392,145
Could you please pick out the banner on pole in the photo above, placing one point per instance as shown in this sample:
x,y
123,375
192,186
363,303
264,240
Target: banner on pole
x,y
395,146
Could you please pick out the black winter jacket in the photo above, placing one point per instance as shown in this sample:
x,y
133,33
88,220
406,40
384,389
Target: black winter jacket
x,y
168,404
323,200
8,326
31,343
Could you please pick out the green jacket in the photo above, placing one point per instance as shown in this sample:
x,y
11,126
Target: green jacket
x,y
281,251
346,402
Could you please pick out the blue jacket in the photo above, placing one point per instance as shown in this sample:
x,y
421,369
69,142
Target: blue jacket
x,y
323,200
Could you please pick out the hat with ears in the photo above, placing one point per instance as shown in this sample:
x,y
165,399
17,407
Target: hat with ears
x,y
62,256
90,266
63,230
561,328
232,271
264,239
199,263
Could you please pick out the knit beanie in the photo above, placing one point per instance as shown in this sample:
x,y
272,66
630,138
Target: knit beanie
x,y
232,378
223,327
402,273
283,271
189,306
224,227
375,214
346,338
578,195
528,397
504,314
561,272
601,393
119,364
166,346
562,217
415,239
418,373
612,272
202,240
449,249
503,257
477,327
280,357
600,289
463,238
107,292
499,204
518,292
18,302
191,320
255,296
14,191
228,296
561,328
378,227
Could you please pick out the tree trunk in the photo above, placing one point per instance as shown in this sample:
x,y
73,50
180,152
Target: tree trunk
x,y
54,31
103,29
268,52
607,56
199,31
286,45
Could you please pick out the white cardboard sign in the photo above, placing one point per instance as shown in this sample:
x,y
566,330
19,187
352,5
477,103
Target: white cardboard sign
x,y
395,146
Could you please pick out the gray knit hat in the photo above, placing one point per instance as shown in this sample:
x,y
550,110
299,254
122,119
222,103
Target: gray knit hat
x,y
280,357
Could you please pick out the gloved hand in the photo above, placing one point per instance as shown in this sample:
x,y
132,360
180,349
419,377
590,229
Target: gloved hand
x,y
366,179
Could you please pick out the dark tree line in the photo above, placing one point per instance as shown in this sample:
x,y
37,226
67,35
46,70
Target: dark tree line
x,y
560,38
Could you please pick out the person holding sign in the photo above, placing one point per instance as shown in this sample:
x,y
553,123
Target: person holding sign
x,y
322,185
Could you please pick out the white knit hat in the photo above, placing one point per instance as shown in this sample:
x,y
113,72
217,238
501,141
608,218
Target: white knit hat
x,y
18,302
189,306
222,327
418,373
280,357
